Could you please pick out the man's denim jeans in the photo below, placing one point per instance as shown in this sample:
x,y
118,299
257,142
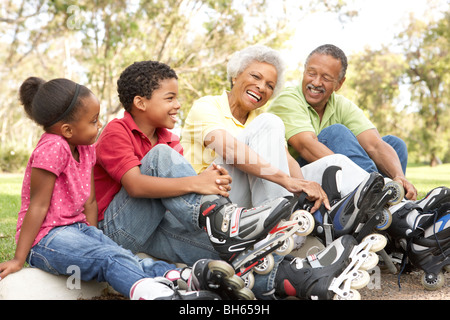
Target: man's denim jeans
x,y
340,139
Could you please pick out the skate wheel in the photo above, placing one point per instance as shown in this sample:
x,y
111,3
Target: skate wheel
x,y
378,241
234,283
431,282
286,247
370,262
360,279
245,294
447,268
249,280
399,192
351,295
305,220
266,265
221,267
386,220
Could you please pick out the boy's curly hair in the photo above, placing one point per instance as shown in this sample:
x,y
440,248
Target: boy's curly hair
x,y
141,79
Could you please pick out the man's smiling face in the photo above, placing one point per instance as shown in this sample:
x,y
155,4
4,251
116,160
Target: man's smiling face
x,y
321,79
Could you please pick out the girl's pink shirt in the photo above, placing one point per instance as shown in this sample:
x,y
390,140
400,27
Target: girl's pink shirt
x,y
72,185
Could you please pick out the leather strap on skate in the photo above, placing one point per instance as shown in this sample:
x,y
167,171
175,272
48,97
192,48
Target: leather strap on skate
x,y
208,207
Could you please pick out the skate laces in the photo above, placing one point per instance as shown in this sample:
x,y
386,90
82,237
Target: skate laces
x,y
415,226
435,233
422,227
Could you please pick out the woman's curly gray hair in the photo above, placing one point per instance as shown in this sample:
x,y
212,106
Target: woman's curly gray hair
x,y
240,60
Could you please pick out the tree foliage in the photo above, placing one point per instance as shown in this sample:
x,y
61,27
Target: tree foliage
x,y
91,42
427,50
404,88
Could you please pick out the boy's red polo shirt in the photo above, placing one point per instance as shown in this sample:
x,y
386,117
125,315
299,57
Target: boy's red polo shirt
x,y
120,147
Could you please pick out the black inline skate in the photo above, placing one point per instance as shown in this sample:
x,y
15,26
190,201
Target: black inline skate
x,y
245,238
423,237
434,199
218,277
359,213
336,272
207,279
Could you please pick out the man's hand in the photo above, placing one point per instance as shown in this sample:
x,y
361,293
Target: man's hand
x,y
410,190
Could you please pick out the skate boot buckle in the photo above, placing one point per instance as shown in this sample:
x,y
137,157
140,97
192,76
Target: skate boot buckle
x,y
227,217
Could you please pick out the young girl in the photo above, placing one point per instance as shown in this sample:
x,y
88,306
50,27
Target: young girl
x,y
56,227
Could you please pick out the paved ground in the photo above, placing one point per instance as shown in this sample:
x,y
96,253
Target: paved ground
x,y
411,289
386,289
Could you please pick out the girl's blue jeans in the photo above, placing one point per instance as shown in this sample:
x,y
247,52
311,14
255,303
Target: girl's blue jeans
x,y
93,256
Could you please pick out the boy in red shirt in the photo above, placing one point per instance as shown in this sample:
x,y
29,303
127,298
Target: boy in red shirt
x,y
150,198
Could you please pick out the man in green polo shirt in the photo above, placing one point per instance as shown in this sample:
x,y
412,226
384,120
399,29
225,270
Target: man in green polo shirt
x,y
320,122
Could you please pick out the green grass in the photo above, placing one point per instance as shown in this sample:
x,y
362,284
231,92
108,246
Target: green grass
x,y
424,178
10,187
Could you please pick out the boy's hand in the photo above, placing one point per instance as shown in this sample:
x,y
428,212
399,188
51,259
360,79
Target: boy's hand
x,y
221,181
224,174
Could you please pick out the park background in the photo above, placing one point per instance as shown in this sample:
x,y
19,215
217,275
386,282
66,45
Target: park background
x,y
398,52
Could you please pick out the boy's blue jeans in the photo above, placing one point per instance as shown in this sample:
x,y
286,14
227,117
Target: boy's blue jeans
x,y
339,139
83,250
165,228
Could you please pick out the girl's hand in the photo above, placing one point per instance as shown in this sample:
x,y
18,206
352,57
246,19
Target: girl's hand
x,y
9,267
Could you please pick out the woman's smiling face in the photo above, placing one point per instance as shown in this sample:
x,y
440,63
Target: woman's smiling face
x,y
254,86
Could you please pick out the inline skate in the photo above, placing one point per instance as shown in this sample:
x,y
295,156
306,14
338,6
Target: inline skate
x,y
218,277
246,238
336,272
423,237
434,199
206,280
359,213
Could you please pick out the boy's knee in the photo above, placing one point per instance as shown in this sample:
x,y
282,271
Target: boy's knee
x,y
163,151
161,148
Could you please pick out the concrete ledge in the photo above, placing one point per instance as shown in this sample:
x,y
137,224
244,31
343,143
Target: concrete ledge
x,y
35,284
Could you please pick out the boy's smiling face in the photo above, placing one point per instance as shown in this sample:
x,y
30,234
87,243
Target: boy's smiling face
x,y
161,109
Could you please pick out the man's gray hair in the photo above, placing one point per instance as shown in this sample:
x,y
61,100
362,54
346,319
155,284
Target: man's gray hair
x,y
335,52
240,60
